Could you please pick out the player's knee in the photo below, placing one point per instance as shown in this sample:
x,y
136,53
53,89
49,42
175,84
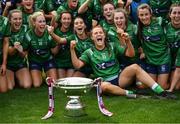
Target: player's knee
x,y
104,87
135,67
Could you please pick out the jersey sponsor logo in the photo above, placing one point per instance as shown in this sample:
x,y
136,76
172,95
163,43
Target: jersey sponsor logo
x,y
105,65
160,10
40,52
152,38
175,44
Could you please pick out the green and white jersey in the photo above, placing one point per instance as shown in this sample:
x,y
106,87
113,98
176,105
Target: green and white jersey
x,y
95,7
65,8
160,9
173,39
4,32
16,59
112,35
104,62
25,16
132,31
63,57
178,59
106,26
39,47
82,45
154,44
45,5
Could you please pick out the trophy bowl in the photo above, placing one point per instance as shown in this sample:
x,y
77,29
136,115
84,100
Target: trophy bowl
x,y
74,88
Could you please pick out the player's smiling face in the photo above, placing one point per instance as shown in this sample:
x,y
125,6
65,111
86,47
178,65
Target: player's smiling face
x,y
98,36
119,20
175,16
40,24
28,4
66,20
16,21
73,3
108,11
144,15
79,26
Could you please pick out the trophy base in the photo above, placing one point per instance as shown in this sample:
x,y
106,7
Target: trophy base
x,y
74,108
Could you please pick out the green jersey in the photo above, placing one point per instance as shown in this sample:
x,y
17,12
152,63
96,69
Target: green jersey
x,y
65,8
17,37
161,8
25,16
63,57
57,3
173,39
95,7
82,45
39,47
104,62
178,59
106,26
154,44
45,5
4,32
132,31
175,1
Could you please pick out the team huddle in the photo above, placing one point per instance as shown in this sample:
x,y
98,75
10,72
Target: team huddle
x,y
123,42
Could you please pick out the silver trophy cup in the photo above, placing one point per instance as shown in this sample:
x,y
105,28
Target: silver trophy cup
x,y
74,88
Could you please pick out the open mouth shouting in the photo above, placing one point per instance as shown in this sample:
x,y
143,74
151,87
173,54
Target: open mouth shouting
x,y
80,30
99,40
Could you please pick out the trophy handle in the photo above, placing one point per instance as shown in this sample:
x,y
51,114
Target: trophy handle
x,y
101,105
50,81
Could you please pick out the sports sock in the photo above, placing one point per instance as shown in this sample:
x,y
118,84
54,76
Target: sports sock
x,y
128,92
157,88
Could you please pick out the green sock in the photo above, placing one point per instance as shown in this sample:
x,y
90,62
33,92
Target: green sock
x,y
129,92
157,88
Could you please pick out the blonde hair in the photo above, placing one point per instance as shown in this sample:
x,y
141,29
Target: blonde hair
x,y
32,18
13,11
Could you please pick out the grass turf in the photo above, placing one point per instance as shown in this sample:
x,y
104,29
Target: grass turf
x,y
28,106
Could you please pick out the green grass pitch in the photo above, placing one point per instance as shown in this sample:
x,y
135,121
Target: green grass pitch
x,y
28,106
